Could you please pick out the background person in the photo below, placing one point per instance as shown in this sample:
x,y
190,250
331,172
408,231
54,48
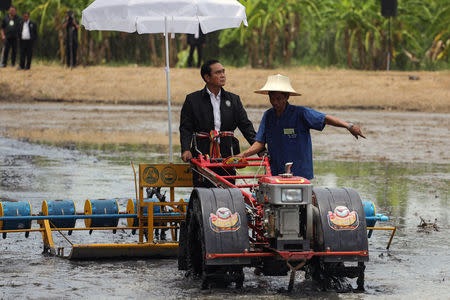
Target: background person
x,y
9,33
71,41
286,129
212,108
28,34
196,42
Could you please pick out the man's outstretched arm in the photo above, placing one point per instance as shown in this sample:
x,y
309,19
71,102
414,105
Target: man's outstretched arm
x,y
334,121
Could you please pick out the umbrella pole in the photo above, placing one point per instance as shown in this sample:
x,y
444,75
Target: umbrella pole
x,y
168,90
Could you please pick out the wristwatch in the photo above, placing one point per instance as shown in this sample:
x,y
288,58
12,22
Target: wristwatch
x,y
350,125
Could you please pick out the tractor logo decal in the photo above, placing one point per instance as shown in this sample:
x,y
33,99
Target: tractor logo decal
x,y
168,175
151,175
343,219
224,220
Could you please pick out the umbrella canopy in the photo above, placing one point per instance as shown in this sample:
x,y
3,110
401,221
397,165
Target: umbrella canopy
x,y
148,16
164,16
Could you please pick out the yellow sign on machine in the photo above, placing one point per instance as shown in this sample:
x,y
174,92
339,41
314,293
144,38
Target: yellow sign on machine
x,y
165,175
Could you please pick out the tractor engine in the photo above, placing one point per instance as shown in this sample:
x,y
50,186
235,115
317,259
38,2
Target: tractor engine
x,y
287,205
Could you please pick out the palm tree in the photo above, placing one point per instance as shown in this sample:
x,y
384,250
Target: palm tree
x,y
354,20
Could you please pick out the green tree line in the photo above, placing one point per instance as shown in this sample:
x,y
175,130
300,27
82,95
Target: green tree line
x,y
342,33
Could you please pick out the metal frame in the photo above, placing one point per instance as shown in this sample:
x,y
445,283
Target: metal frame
x,y
147,223
204,165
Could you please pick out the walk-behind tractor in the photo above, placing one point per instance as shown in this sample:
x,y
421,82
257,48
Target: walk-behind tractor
x,y
250,218
275,225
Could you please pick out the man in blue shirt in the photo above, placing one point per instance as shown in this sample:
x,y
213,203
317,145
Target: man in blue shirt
x,y
285,129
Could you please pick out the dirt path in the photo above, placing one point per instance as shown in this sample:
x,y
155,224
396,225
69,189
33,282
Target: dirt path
x,y
391,136
331,89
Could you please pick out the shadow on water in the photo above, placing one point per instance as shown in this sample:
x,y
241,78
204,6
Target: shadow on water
x,y
417,265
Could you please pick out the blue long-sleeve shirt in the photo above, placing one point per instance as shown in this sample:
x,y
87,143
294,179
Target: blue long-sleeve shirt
x,y
288,138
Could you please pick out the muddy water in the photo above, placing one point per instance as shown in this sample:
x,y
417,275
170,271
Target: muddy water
x,y
417,266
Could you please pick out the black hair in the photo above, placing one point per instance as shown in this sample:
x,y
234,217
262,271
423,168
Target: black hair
x,y
206,68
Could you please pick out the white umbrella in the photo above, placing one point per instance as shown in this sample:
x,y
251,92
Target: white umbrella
x,y
164,16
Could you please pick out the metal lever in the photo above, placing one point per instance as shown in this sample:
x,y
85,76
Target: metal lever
x,y
194,140
288,167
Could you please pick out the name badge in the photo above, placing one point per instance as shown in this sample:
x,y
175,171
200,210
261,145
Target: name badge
x,y
11,23
290,132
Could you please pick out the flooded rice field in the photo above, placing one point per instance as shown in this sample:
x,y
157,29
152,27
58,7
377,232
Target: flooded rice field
x,y
417,265
407,187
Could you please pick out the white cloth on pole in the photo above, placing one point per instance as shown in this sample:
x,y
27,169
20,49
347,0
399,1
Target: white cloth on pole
x,y
147,16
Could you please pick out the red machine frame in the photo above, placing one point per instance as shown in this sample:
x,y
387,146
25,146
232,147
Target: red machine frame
x,y
203,165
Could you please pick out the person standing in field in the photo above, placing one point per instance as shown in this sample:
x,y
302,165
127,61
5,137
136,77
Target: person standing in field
x,y
196,42
28,34
212,110
71,26
285,128
9,33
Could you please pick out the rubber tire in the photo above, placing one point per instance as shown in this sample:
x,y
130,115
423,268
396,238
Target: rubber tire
x,y
196,242
182,247
196,254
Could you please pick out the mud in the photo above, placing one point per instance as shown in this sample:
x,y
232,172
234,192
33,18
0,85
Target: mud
x,y
391,136
403,166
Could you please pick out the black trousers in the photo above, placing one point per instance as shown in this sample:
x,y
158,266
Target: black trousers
x,y
191,54
9,44
26,53
71,54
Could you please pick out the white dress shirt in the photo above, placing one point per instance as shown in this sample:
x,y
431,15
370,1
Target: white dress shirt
x,y
26,30
215,101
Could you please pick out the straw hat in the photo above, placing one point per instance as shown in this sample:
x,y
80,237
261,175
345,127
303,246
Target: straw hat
x,y
278,83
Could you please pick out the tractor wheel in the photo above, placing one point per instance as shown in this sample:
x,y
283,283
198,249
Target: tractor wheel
x,y
334,276
195,241
332,271
196,255
182,247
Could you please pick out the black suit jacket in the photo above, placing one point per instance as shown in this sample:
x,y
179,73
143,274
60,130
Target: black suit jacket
x,y
11,32
33,30
197,116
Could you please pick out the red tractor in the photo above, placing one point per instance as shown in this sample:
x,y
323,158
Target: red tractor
x,y
275,224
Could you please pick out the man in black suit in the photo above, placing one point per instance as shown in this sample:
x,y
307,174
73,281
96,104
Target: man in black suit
x,y
212,108
9,32
27,34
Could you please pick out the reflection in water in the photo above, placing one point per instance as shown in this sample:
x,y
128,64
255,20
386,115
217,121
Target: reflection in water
x,y
418,264
396,188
